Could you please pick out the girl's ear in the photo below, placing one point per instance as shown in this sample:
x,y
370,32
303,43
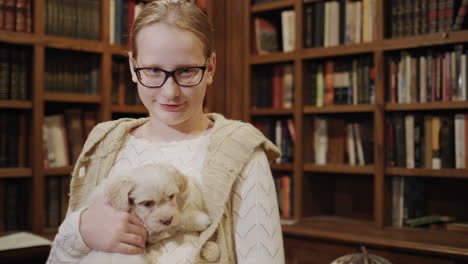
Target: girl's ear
x,y
118,192
211,68
132,65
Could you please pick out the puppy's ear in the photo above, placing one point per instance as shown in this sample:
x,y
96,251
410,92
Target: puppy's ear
x,y
182,182
118,192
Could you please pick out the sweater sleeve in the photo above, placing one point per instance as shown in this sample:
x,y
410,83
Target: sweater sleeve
x,y
68,246
257,228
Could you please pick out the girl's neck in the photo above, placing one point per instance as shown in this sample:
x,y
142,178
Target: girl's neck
x,y
155,130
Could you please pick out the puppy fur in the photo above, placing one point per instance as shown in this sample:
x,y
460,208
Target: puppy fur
x,y
161,196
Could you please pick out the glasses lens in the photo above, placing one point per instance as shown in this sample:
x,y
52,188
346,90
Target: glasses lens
x,y
151,77
188,76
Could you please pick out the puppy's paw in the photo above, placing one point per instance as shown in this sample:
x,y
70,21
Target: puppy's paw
x,y
202,220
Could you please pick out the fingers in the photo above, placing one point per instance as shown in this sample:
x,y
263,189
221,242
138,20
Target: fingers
x,y
133,240
136,230
123,248
135,220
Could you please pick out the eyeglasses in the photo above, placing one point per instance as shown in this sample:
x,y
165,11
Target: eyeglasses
x,y
155,78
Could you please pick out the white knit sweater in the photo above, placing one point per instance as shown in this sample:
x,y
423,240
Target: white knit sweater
x,y
258,237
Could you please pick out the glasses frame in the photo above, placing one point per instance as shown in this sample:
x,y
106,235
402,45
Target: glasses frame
x,y
170,74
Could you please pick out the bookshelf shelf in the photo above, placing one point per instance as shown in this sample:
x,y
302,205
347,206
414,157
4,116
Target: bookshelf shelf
x,y
427,106
19,38
282,167
15,104
342,50
444,173
72,98
277,57
272,6
420,41
74,44
271,111
339,168
134,109
330,109
15,173
360,232
58,171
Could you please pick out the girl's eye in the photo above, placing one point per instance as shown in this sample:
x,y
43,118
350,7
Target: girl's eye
x,y
148,204
171,197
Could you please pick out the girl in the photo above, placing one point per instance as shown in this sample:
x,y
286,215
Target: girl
x,y
173,61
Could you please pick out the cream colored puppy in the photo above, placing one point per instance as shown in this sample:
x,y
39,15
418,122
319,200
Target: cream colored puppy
x,y
159,195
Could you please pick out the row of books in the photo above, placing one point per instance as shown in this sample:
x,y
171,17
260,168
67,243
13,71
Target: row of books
x,y
122,83
427,141
122,15
337,141
340,82
15,204
267,37
410,18
12,139
64,136
331,23
430,77
273,86
73,18
284,194
16,15
282,133
70,72
15,65
56,203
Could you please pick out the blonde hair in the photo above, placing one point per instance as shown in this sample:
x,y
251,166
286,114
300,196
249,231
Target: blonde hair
x,y
179,13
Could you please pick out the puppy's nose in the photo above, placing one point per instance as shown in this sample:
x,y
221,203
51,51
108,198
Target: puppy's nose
x,y
166,221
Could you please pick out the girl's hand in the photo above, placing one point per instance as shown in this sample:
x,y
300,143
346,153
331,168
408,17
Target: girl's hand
x,y
105,229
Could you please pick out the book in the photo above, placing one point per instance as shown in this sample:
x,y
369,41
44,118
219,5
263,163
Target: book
x,y
74,128
320,140
460,141
288,20
429,219
460,18
56,140
22,240
266,36
446,141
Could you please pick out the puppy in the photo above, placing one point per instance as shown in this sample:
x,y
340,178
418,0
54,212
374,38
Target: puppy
x,y
160,196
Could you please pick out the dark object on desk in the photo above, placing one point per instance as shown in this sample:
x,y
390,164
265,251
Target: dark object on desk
x,y
361,258
32,255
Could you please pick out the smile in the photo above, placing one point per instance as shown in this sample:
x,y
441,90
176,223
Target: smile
x,y
170,107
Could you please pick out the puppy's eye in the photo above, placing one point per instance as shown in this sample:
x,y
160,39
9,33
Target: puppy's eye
x,y
148,204
171,197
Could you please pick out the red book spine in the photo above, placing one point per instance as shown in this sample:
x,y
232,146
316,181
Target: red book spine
x,y
9,15
20,16
329,72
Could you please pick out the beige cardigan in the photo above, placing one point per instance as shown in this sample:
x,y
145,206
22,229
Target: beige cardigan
x,y
231,147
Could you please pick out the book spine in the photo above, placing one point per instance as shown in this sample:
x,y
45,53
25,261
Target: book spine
x,y
460,141
460,19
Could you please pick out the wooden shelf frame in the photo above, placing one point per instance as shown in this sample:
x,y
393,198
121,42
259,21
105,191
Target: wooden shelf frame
x,y
378,49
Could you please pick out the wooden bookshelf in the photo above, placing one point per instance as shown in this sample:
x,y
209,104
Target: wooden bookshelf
x,y
42,102
281,4
324,195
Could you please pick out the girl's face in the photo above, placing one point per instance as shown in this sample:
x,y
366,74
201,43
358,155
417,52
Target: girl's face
x,y
169,48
